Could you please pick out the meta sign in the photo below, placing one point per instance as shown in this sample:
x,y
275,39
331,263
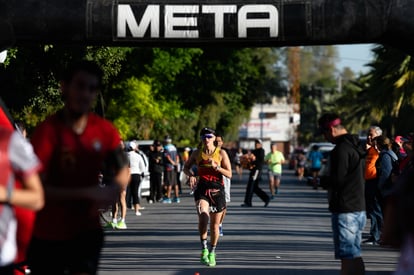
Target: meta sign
x,y
198,22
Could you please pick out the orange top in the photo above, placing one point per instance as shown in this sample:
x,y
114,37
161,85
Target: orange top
x,y
370,170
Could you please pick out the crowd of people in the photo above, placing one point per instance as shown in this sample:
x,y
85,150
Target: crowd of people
x,y
76,164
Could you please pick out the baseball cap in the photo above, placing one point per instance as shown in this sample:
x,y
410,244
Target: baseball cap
x,y
187,149
258,141
400,139
167,139
132,145
157,143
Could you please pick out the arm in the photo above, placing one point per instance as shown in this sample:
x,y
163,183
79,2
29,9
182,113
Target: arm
x,y
225,167
187,169
30,197
25,166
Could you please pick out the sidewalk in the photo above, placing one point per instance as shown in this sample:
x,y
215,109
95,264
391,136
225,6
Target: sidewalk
x,y
291,236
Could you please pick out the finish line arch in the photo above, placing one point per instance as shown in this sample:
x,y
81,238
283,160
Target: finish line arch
x,y
187,23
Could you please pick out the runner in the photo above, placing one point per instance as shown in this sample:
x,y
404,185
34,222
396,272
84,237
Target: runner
x,y
274,160
209,195
227,184
74,145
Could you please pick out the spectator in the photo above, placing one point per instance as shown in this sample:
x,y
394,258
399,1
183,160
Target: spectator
x,y
18,163
137,166
171,162
385,164
237,162
256,164
345,193
74,145
156,162
372,195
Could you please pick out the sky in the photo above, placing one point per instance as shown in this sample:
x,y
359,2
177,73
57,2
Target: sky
x,y
354,56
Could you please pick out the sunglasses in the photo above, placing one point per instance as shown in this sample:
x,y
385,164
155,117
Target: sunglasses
x,y
208,136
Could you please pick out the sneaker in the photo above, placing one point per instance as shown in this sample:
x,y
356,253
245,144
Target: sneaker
x,y
150,201
370,241
176,200
221,230
110,225
137,213
267,203
204,258
121,225
212,259
246,205
166,200
272,197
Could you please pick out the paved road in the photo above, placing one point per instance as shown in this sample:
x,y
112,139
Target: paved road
x,y
291,236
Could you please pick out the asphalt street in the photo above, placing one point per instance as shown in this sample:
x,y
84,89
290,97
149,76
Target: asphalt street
x,y
290,236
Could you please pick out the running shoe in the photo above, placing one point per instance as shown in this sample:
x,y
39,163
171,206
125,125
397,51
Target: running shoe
x,y
204,256
212,259
221,230
110,225
176,200
137,213
166,200
121,225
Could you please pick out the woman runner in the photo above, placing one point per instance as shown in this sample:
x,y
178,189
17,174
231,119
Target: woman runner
x,y
212,163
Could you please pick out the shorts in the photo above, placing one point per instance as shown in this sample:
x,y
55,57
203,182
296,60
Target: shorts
x,y
77,255
213,193
227,185
276,176
170,178
315,169
347,231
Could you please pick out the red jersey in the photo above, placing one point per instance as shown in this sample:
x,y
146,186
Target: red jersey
x,y
71,160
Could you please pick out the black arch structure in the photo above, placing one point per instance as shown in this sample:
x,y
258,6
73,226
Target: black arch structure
x,y
187,23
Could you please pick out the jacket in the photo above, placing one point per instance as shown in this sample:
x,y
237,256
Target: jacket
x,y
346,185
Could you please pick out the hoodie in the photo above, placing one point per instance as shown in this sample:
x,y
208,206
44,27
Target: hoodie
x,y
346,185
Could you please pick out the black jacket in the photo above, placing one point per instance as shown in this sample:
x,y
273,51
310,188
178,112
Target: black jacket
x,y
346,184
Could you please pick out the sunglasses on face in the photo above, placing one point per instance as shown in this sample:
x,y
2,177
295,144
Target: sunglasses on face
x,y
208,136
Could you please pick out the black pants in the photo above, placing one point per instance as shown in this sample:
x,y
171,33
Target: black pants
x,y
155,186
253,187
134,187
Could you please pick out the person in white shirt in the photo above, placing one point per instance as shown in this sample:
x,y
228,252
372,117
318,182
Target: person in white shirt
x,y
137,168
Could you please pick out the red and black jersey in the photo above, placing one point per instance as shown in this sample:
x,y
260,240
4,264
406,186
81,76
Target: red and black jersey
x,y
71,160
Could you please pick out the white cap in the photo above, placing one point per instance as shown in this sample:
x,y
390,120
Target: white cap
x,y
132,145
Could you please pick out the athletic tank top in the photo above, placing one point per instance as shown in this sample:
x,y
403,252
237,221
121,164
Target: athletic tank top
x,y
206,172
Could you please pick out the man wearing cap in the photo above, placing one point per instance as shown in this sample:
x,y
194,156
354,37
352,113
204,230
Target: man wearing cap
x,y
399,140
255,177
345,193
171,161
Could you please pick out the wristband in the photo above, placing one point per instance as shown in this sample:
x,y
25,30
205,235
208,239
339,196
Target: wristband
x,y
218,167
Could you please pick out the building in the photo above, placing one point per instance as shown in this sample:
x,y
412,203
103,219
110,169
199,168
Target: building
x,y
275,122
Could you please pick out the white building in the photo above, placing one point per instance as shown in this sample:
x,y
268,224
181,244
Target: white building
x,y
276,122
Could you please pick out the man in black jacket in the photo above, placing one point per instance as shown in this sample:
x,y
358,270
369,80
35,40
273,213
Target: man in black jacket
x,y
255,177
346,194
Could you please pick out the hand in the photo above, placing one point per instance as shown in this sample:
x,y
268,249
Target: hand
x,y
193,182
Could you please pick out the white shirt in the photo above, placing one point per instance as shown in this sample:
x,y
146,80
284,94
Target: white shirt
x,y
136,163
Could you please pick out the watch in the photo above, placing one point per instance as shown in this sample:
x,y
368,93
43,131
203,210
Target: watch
x,y
218,167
